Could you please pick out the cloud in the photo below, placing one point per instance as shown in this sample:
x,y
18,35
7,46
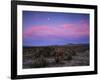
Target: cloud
x,y
62,31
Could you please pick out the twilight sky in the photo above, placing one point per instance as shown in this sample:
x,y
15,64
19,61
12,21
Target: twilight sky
x,y
53,28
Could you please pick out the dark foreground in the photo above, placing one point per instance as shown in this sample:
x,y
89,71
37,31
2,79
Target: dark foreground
x,y
40,57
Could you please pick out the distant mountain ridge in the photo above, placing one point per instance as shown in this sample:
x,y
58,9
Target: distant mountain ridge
x,y
70,44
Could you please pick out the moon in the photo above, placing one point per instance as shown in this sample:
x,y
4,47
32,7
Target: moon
x,y
48,19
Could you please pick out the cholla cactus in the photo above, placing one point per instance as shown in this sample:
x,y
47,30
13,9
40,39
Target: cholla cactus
x,y
40,62
59,54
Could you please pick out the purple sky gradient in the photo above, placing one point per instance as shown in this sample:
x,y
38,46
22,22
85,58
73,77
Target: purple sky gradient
x,y
52,28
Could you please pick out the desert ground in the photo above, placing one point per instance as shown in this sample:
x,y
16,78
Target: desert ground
x,y
56,56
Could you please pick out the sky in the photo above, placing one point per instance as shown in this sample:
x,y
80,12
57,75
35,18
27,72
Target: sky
x,y
54,28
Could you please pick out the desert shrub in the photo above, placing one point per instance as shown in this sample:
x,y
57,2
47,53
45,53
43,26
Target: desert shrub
x,y
49,52
46,52
40,62
52,53
67,56
39,52
57,60
72,51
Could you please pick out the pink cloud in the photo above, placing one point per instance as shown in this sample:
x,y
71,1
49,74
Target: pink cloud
x,y
81,29
60,31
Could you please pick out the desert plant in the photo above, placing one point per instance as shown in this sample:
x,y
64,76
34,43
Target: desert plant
x,y
72,51
67,56
40,62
